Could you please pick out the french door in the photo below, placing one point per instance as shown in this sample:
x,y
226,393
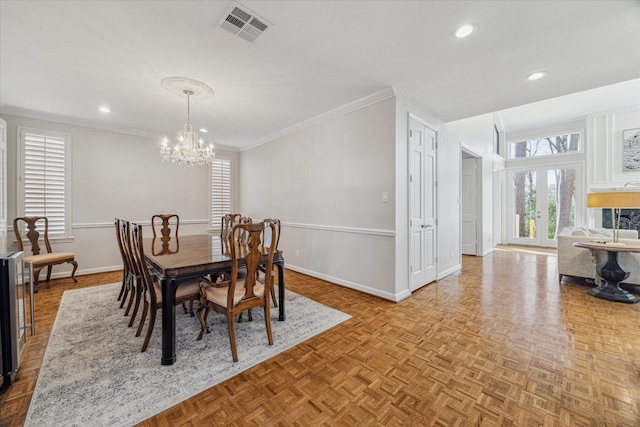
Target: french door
x,y
543,201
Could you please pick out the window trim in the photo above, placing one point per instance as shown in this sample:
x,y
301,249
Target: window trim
x,y
537,136
212,227
20,193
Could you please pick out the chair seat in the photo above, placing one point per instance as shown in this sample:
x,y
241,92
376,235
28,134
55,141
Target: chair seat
x,y
49,258
218,295
184,291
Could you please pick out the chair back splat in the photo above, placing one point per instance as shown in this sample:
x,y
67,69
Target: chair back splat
x,y
164,223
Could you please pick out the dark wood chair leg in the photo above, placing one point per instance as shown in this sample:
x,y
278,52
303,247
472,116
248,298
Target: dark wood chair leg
x,y
123,287
73,273
136,305
145,310
147,338
36,278
232,335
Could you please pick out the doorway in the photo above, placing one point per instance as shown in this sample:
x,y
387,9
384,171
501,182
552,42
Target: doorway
x,y
542,201
470,193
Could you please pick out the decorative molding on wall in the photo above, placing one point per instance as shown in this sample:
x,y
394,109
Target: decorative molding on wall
x,y
337,229
329,115
92,225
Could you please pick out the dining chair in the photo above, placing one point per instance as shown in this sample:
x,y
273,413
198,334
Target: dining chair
x,y
226,224
133,282
164,222
125,288
236,295
186,291
40,259
262,268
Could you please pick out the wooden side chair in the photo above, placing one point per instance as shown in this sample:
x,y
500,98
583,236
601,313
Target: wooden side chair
x,y
276,223
40,259
187,291
234,296
227,223
164,222
126,287
131,280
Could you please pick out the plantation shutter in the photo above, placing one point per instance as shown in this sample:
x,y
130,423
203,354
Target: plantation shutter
x,y
220,190
44,180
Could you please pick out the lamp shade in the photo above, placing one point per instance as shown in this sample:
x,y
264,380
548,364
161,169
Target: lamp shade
x,y
614,199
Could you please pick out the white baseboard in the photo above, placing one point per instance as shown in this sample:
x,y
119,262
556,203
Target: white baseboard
x,y
449,271
63,274
351,285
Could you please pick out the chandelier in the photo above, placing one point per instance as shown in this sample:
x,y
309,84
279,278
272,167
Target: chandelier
x,y
189,149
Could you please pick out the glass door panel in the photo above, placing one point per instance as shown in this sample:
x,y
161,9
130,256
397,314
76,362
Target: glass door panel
x,y
524,207
561,201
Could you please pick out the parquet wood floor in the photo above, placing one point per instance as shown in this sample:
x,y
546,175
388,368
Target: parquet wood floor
x,y
499,344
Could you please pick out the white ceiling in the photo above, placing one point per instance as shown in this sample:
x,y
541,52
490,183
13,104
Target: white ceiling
x,y
64,59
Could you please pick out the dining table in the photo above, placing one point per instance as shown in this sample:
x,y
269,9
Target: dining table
x,y
175,259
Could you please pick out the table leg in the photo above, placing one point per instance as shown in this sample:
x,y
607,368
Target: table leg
x,y
280,266
168,321
612,274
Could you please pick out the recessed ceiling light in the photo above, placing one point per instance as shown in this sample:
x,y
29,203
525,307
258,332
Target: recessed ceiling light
x,y
537,75
465,30
203,130
104,109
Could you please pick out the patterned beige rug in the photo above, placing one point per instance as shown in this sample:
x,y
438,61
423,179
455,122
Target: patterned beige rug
x,y
93,372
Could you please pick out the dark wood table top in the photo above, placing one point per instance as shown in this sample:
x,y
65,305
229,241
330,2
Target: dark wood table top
x,y
190,255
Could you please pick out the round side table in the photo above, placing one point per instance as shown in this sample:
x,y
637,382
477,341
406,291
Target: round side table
x,y
611,271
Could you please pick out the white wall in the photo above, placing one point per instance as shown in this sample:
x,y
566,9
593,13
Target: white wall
x,y
115,175
476,134
325,184
604,148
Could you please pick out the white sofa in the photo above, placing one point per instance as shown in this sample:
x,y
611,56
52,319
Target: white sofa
x,y
579,262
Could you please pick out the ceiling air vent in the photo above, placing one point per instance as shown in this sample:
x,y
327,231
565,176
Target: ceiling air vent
x,y
243,23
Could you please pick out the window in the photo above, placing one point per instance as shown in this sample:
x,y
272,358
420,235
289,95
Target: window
x,y
220,190
547,146
43,182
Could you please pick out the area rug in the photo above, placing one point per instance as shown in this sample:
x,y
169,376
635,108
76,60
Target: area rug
x,y
93,372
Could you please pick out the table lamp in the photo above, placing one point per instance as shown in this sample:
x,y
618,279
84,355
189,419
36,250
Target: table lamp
x,y
616,201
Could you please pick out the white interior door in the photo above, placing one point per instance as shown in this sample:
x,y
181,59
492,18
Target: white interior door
x,y
543,202
469,207
422,205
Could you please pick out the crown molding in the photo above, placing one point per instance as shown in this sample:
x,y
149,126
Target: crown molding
x,y
28,114
329,115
